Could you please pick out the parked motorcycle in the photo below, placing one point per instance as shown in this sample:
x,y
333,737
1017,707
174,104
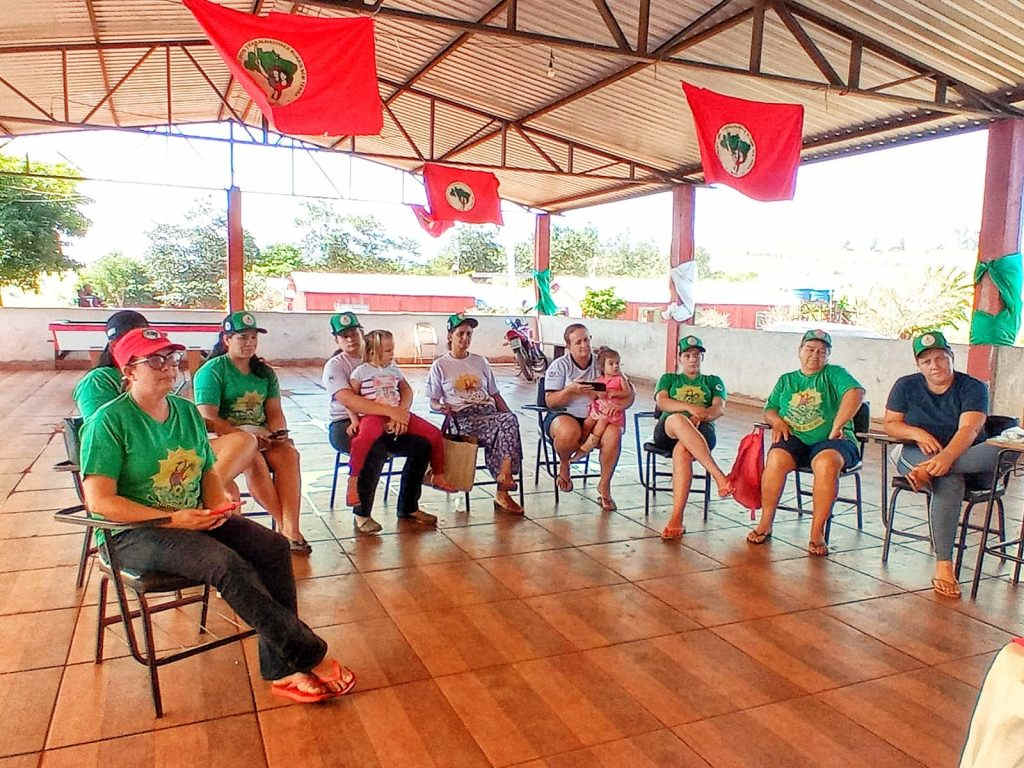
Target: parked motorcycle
x,y
529,356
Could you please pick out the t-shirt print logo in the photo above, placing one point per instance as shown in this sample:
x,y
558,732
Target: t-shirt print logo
x,y
469,388
247,409
804,411
386,388
689,394
176,482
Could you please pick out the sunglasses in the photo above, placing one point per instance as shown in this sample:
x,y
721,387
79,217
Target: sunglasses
x,y
158,362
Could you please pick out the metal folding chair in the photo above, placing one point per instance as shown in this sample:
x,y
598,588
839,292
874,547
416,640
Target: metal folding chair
x,y
647,467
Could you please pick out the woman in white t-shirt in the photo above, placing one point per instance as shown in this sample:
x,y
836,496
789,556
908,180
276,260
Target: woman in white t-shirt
x,y
462,385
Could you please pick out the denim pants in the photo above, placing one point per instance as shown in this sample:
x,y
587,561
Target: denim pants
x,y
252,569
948,491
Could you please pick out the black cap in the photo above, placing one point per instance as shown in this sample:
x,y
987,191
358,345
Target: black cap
x,y
122,321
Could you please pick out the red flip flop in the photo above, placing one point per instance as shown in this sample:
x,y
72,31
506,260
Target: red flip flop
x,y
335,676
294,693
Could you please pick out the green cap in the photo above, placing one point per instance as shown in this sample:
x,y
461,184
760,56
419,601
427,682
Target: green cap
x,y
930,340
237,322
343,321
691,342
454,321
817,334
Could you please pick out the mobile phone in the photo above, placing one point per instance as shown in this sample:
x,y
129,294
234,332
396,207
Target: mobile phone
x,y
597,386
226,508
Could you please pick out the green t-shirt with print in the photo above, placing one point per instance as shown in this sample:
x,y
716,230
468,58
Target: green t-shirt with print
x,y
809,404
699,390
156,464
239,397
98,387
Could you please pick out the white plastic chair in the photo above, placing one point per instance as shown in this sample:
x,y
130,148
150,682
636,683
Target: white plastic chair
x,y
425,335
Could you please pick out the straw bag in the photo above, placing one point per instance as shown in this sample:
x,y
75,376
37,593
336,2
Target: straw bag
x,y
459,458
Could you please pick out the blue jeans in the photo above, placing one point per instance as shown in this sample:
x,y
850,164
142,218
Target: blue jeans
x,y
948,491
252,569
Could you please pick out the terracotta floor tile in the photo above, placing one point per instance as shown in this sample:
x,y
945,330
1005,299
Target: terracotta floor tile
x,y
436,587
971,670
802,733
649,558
905,568
228,742
18,525
543,707
202,687
538,573
999,603
326,559
657,749
40,552
509,538
925,713
20,646
44,480
730,547
31,501
609,615
921,628
401,550
719,516
26,701
374,649
21,761
843,537
14,466
8,483
819,582
475,636
40,590
690,676
814,650
543,504
725,595
404,726
336,600
580,530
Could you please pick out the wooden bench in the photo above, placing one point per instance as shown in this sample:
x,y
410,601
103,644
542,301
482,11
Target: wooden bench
x,y
90,336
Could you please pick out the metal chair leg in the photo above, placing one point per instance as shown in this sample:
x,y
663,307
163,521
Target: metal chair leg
x,y
961,546
1020,555
647,485
1002,528
891,514
799,494
203,615
101,615
84,558
707,494
151,662
860,501
334,482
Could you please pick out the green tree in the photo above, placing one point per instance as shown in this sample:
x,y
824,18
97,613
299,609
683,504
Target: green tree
x,y
622,256
332,242
574,251
121,281
277,260
473,249
602,303
36,215
188,261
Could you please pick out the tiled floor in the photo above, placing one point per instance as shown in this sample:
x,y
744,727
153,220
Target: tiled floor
x,y
570,637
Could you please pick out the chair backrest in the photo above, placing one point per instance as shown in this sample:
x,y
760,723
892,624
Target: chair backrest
x,y
996,425
862,423
426,333
73,446
542,401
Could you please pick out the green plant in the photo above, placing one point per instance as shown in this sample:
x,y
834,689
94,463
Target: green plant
x,y
940,297
602,303
710,318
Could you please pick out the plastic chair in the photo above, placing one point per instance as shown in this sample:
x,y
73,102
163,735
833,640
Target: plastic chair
x,y
424,335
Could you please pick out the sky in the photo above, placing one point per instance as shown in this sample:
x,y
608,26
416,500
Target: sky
x,y
920,193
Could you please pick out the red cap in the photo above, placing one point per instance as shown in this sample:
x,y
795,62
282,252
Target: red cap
x,y
140,342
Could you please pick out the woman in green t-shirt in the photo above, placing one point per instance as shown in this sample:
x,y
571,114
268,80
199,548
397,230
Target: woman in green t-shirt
x,y
103,382
811,412
236,391
688,402
145,456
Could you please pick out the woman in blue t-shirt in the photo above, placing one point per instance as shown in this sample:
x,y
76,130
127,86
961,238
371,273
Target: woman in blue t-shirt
x,y
940,414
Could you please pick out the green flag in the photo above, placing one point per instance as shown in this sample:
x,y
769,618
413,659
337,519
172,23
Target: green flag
x,y
1002,327
546,305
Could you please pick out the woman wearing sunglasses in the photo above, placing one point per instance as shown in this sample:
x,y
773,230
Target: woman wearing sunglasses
x,y
236,391
145,456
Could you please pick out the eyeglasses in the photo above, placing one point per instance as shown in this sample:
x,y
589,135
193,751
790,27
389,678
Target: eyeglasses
x,y
158,362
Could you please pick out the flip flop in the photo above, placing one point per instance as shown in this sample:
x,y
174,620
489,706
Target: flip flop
x,y
818,550
292,692
671,533
299,546
336,675
564,484
755,537
946,588
516,510
606,502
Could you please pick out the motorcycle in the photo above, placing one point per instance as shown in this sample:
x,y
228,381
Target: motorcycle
x,y
529,356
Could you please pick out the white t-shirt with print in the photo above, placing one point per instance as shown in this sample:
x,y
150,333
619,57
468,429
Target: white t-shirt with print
x,y
337,373
379,384
563,370
461,382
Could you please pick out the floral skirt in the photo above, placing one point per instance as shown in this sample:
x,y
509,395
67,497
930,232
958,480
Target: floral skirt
x,y
498,433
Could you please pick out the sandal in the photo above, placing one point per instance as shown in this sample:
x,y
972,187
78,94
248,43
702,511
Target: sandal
x,y
757,537
673,532
563,483
818,550
946,588
299,546
606,502
294,693
337,675
515,509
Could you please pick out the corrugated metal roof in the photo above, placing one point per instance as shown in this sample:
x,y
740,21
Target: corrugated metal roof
x,y
578,147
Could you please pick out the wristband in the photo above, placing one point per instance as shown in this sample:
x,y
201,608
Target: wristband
x,y
278,434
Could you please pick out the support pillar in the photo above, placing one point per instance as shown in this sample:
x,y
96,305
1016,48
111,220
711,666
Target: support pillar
x,y
236,286
541,247
1000,226
680,251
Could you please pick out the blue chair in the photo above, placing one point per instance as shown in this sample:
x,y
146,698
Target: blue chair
x,y
387,474
647,467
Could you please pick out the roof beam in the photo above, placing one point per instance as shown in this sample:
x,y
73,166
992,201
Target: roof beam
x,y
257,5
757,37
111,91
809,46
25,98
613,24
643,25
103,64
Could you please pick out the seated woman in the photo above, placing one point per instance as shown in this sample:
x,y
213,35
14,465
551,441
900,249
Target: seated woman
x,y
940,413
462,384
145,455
810,411
104,382
236,391
689,402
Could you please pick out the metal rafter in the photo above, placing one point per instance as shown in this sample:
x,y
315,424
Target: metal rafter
x,y
111,91
809,46
643,25
25,98
257,6
94,26
613,24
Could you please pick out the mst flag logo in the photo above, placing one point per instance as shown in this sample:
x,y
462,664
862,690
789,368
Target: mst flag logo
x,y
736,149
276,67
460,196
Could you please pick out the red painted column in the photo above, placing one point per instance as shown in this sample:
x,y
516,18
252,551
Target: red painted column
x,y
236,286
1000,225
541,246
680,251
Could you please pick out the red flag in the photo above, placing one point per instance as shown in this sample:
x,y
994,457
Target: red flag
x,y
455,194
751,146
434,227
307,75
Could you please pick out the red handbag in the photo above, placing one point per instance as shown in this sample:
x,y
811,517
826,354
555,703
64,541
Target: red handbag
x,y
747,469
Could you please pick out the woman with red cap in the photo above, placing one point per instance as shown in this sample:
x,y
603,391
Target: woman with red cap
x,y
145,456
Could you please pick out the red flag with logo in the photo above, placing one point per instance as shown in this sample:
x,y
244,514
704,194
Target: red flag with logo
x,y
433,227
455,194
308,76
751,146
